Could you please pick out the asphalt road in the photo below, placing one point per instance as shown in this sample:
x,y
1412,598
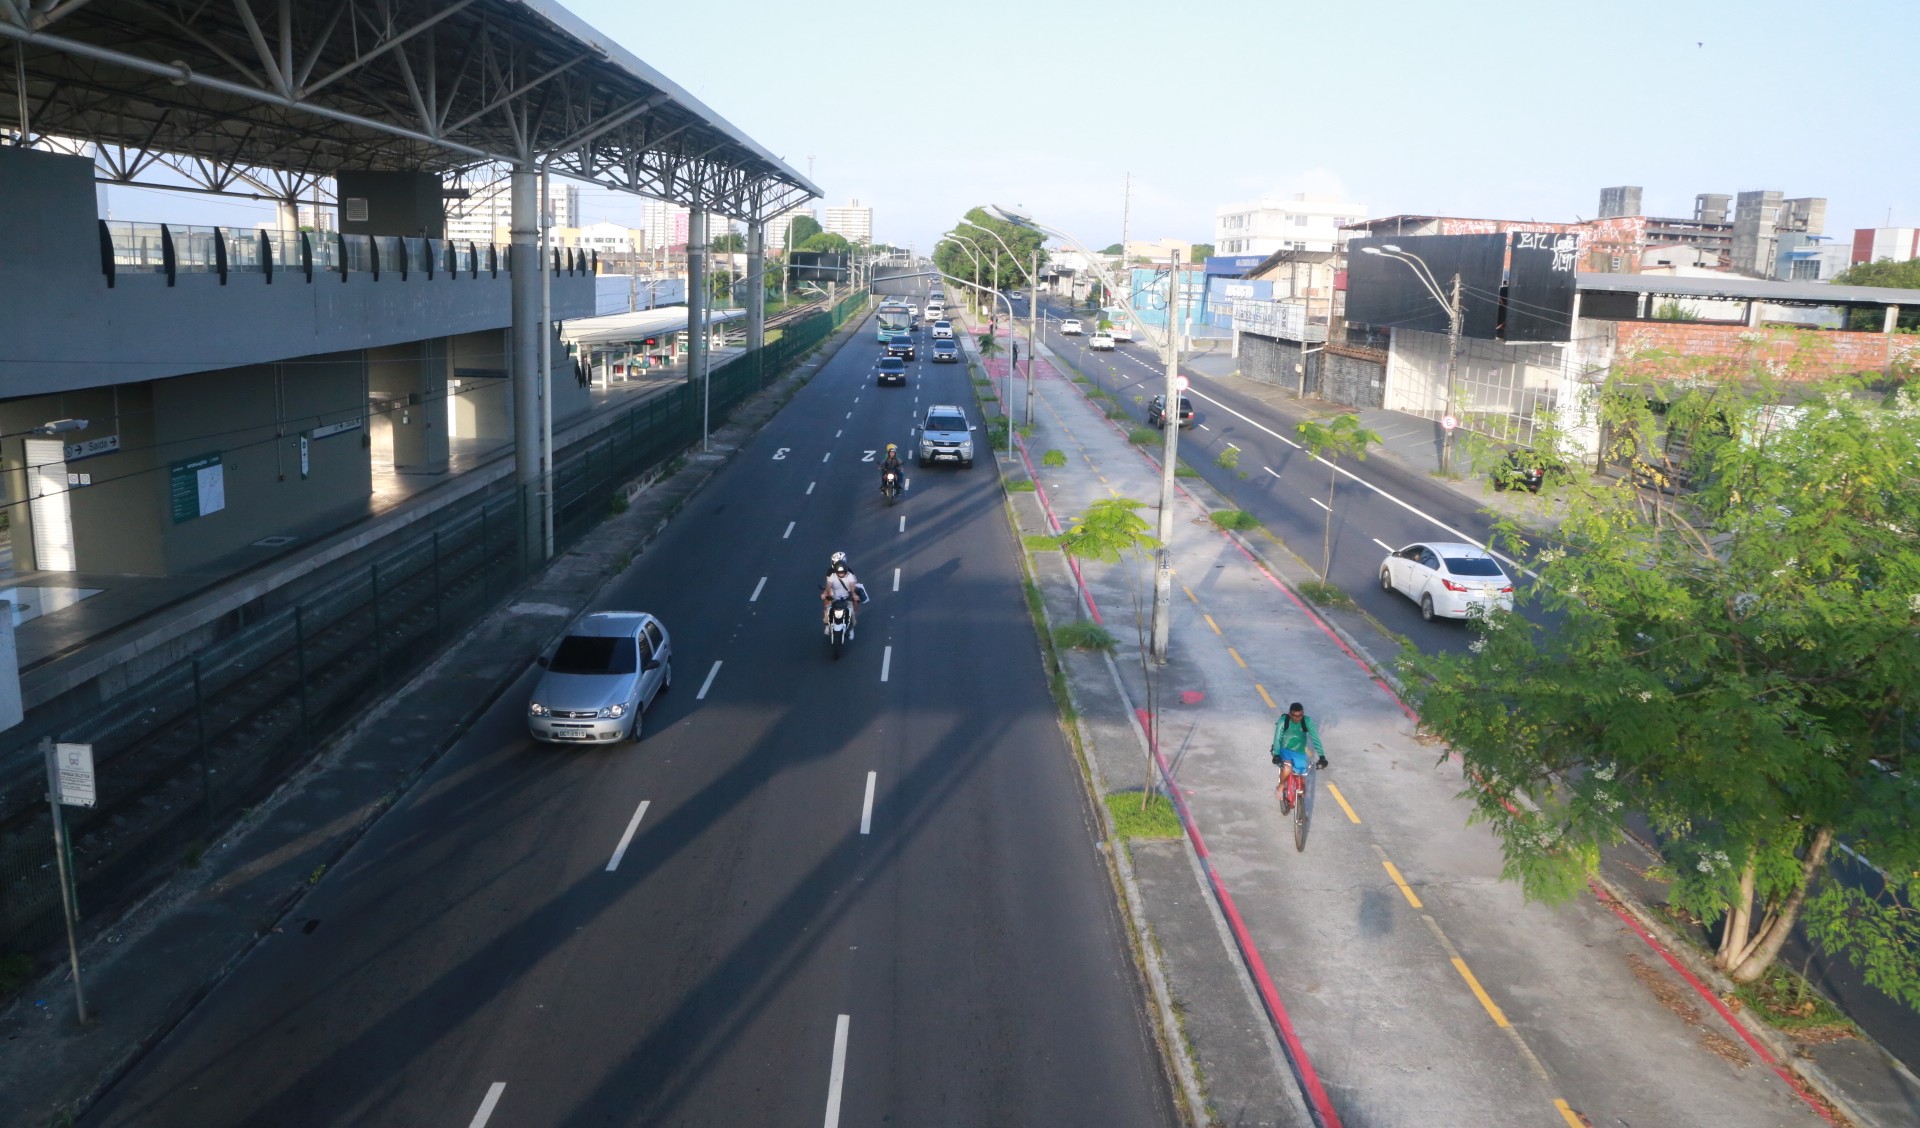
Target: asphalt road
x,y
1285,487
770,948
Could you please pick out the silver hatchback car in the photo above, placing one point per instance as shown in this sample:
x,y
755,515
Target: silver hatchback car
x,y
600,678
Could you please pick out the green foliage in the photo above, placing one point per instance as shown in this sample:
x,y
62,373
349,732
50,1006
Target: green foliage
x,y
802,228
1671,310
1326,595
1020,485
829,242
1343,435
1157,819
989,344
1108,530
1041,542
1084,635
1185,471
976,259
730,242
1739,662
1141,436
1884,272
1200,252
1791,1003
1054,458
1228,458
1111,249
1234,519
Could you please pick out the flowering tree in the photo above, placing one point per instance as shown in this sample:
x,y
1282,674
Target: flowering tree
x,y
1735,652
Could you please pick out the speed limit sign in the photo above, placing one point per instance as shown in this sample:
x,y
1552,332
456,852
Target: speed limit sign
x,y
1449,422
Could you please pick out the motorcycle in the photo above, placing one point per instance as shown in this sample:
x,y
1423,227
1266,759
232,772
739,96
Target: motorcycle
x,y
890,485
839,625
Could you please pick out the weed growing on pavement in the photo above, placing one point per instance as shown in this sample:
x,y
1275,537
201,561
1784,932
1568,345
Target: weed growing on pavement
x,y
1078,379
1041,542
1026,430
1084,635
1156,820
1054,458
982,382
1234,519
1789,1002
16,970
1326,595
1116,413
618,503
1143,436
1185,471
1020,485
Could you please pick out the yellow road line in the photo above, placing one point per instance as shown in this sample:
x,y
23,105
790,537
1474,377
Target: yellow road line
x,y
1480,993
1405,889
1210,622
1342,800
1237,658
1571,1117
1189,592
1102,477
1263,695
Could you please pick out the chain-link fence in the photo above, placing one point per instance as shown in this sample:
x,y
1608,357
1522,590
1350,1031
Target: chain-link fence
x,y
180,754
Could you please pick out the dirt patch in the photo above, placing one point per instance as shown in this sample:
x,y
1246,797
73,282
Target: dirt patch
x,y
1725,1047
1680,1001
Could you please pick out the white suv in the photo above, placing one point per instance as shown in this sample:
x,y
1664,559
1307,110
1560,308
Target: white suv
x,y
945,436
943,330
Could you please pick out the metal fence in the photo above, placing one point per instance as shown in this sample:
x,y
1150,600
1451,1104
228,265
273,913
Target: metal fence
x,y
179,755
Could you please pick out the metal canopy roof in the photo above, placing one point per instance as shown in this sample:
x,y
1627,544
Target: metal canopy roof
x,y
1734,287
621,328
282,91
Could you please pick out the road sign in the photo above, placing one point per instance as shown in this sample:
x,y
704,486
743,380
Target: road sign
x,y
1449,422
1180,382
74,767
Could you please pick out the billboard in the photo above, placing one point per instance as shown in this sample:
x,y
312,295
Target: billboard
x,y
816,266
1234,265
1540,286
1385,290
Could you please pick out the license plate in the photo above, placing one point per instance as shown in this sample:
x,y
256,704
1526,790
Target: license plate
x,y
573,736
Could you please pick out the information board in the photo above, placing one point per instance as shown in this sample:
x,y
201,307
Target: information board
x,y
197,487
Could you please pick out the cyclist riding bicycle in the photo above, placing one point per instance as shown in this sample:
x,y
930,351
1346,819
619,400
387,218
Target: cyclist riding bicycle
x,y
1291,736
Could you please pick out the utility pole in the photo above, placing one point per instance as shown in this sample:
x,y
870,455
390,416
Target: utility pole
x,y
1126,216
1453,355
1033,304
1170,427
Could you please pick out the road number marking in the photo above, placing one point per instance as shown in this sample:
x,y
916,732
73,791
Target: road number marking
x,y
781,453
869,457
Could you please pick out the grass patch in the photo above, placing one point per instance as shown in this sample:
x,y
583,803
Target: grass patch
x,y
1026,430
1116,412
1185,471
1129,821
1790,1003
16,970
1078,379
982,382
996,435
1041,542
1326,595
1234,519
618,503
1020,485
1143,436
1083,634
1054,458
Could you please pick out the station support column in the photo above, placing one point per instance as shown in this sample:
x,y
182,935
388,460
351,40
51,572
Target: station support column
x,y
756,284
524,187
697,300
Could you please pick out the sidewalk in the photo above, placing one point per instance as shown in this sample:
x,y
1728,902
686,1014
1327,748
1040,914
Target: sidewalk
x,y
1419,987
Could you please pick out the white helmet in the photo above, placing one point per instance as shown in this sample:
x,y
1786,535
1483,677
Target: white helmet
x,y
837,560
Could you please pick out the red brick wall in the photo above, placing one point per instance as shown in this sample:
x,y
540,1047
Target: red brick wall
x,y
1787,353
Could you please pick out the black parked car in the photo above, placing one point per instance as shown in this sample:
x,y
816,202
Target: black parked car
x,y
1157,409
900,345
1524,469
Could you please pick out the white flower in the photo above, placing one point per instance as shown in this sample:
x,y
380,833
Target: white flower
x,y
1604,771
1913,604
1646,695
1477,645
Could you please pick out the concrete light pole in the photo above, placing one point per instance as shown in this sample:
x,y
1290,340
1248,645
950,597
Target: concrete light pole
x,y
1425,274
1033,305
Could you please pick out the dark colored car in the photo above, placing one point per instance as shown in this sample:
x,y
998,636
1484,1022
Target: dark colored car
x,y
946,352
892,370
901,346
1157,409
1524,469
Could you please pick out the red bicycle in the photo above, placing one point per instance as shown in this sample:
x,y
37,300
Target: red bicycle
x,y
1295,793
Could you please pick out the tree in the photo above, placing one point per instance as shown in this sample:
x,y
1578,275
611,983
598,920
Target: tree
x,y
1112,531
802,228
1343,436
1739,661
976,263
1200,252
1111,249
826,241
728,243
1884,272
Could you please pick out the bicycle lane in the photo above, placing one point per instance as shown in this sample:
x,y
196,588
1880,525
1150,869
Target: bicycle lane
x,y
1422,988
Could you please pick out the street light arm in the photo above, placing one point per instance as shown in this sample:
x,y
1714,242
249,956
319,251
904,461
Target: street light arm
x,y
996,238
1425,274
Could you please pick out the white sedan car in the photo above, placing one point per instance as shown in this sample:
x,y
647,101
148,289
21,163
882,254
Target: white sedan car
x,y
1448,580
1072,328
1101,342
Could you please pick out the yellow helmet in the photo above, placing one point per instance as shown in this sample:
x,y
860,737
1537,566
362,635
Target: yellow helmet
x,y
891,448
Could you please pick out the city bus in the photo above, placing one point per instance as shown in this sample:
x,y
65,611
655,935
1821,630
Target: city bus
x,y
1120,325
895,317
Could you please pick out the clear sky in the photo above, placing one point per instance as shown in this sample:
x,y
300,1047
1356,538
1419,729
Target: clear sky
x,y
1506,109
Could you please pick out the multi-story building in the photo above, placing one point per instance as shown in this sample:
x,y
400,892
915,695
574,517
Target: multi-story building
x,y
851,221
779,225
1762,218
1304,221
665,224
1898,244
1616,202
486,214
605,237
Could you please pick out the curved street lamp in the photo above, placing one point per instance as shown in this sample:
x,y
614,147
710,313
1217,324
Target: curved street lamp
x,y
1425,274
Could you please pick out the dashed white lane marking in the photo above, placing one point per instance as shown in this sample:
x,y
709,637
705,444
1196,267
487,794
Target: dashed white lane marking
x,y
486,1105
826,456
896,579
837,434
755,597
789,532
1383,544
626,839
810,486
849,415
836,1079
886,662
1321,504
866,808
903,522
708,684
1204,427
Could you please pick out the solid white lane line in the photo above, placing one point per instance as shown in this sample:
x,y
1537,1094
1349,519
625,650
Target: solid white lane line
x,y
896,579
789,532
1383,544
755,597
886,662
836,1079
866,808
810,486
626,839
486,1105
708,684
826,456
903,522
1320,503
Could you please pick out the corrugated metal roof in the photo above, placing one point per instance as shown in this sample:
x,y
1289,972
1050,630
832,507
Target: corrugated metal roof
x,y
1736,287
620,328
